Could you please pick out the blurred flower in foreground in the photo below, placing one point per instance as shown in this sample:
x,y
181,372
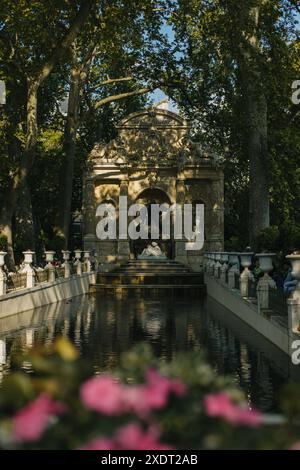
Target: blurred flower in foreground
x,y
130,437
220,405
30,422
107,396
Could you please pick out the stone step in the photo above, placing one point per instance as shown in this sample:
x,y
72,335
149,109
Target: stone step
x,y
149,290
146,269
150,279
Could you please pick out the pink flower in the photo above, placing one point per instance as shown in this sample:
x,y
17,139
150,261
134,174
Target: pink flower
x,y
134,400
133,437
157,389
30,422
220,405
101,443
295,446
103,394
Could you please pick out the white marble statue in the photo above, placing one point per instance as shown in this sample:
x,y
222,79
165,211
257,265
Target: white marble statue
x,y
152,251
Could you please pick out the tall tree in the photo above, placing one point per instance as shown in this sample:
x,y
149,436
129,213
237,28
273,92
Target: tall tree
x,y
26,42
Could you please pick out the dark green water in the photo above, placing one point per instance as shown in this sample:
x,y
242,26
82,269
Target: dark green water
x,y
103,328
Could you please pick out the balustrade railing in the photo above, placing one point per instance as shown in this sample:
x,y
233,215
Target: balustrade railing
x,y
29,276
278,302
41,276
237,281
271,302
16,281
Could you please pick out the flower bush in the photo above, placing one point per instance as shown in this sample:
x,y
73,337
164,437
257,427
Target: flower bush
x,y
144,405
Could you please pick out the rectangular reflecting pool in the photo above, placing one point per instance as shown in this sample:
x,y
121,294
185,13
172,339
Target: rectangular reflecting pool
x,y
102,328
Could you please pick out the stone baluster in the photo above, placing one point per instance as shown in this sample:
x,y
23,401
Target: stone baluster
x,y
87,261
66,257
78,262
2,350
294,300
246,276
217,265
211,264
28,260
49,266
2,273
224,267
234,269
266,282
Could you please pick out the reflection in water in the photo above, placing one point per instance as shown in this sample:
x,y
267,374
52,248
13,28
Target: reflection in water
x,y
103,328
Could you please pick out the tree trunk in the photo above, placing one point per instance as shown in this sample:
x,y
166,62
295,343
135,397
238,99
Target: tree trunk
x,y
258,155
24,221
8,199
24,216
256,127
67,171
7,213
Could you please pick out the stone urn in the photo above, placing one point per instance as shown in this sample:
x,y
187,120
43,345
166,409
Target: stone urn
x,y
234,262
224,267
295,261
87,261
28,260
217,265
49,256
66,255
246,276
78,254
266,262
246,259
49,266
78,261
234,269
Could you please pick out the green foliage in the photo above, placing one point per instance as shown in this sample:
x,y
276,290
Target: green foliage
x,y
210,36
284,239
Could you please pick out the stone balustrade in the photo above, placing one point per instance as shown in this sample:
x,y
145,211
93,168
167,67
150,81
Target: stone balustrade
x,y
28,276
233,271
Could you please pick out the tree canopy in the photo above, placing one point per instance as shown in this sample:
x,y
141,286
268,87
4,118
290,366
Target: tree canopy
x,y
228,64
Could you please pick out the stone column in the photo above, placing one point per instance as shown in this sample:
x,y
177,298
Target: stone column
x,y
266,282
224,267
28,259
217,266
180,249
78,262
87,261
211,266
294,300
123,242
49,266
2,273
246,276
66,257
233,270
